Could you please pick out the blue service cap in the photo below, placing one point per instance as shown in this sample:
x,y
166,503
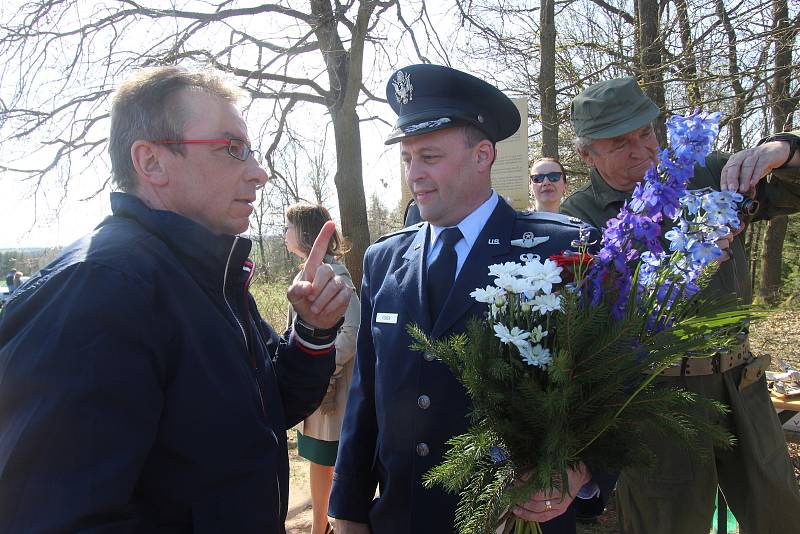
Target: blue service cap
x,y
428,97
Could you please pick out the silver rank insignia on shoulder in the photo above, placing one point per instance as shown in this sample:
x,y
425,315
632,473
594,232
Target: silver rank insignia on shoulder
x,y
403,90
529,240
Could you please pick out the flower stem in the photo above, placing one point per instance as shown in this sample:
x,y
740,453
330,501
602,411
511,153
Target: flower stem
x,y
642,386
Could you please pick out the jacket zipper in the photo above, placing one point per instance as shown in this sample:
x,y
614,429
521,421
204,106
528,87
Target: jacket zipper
x,y
248,266
225,295
253,362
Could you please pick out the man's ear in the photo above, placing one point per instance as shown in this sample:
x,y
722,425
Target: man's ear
x,y
147,161
586,155
485,154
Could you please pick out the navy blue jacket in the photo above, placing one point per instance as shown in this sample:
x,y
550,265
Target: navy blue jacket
x,y
391,434
140,390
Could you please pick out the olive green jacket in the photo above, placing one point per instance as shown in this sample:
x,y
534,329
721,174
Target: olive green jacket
x,y
596,202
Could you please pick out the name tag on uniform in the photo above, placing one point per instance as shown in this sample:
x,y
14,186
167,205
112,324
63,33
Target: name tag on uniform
x,y
388,318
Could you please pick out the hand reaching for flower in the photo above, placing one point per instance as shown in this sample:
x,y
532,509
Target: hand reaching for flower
x,y
547,505
746,168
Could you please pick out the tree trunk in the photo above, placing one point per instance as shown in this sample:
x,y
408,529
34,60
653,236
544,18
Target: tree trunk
x,y
650,51
771,260
349,181
739,98
344,69
547,79
782,108
689,62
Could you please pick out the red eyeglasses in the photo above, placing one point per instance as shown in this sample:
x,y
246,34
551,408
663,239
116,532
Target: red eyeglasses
x,y
237,148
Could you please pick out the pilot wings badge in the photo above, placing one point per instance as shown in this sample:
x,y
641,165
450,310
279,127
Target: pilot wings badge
x,y
402,87
529,240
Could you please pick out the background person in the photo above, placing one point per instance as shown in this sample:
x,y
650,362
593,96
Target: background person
x,y
403,404
548,183
613,122
140,389
318,434
17,281
10,279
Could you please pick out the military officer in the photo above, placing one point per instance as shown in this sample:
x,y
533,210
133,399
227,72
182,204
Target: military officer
x,y
613,122
404,405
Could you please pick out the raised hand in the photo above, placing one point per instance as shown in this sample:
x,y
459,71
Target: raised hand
x,y
745,169
319,298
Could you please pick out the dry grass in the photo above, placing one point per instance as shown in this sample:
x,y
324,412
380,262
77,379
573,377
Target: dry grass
x,y
272,304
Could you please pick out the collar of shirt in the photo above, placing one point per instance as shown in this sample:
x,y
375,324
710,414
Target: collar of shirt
x,y
471,227
604,193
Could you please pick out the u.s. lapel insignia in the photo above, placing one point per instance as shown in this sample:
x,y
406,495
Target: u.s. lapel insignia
x,y
494,241
403,90
529,240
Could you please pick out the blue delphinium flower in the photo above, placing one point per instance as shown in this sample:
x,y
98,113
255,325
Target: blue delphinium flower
x,y
692,137
679,236
635,234
721,209
704,252
691,202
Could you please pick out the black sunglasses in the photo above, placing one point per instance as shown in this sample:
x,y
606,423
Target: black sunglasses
x,y
552,176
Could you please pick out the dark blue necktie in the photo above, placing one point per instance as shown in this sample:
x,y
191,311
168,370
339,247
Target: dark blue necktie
x,y
442,271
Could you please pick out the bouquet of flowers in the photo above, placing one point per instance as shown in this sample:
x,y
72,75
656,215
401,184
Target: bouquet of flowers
x,y
561,368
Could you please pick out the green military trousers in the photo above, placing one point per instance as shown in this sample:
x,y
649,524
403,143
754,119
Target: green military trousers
x,y
677,495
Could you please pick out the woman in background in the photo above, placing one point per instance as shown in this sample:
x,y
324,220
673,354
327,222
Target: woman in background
x,y
547,185
318,435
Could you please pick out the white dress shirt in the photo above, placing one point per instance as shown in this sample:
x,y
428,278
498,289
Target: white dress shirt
x,y
470,226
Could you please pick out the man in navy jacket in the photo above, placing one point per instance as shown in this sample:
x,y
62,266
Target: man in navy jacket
x,y
404,405
140,390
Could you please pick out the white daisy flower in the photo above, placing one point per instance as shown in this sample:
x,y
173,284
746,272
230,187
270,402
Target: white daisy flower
x,y
535,355
515,335
507,282
542,276
487,295
510,268
546,303
538,333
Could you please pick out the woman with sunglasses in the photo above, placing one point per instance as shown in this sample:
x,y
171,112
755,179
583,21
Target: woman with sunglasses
x,y
548,183
318,435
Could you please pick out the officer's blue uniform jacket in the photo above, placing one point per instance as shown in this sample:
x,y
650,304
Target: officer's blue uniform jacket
x,y
404,405
140,391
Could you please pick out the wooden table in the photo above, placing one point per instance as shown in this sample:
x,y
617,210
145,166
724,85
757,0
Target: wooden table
x,y
780,403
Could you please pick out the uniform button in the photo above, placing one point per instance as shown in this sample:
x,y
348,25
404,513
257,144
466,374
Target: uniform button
x,y
422,449
428,357
424,402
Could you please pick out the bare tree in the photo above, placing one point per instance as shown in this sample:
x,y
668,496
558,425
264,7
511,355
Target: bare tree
x,y
783,107
62,58
547,78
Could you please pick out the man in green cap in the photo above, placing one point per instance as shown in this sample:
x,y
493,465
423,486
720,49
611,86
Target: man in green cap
x,y
615,137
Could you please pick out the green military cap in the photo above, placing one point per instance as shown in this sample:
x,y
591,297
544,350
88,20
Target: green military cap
x,y
611,108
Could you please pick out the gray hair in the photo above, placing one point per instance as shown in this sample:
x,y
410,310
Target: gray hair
x,y
582,143
146,107
585,143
